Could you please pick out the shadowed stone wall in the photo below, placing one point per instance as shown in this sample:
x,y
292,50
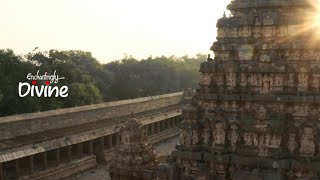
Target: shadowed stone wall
x,y
26,124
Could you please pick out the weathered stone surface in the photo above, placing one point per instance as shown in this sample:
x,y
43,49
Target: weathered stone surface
x,y
55,119
256,113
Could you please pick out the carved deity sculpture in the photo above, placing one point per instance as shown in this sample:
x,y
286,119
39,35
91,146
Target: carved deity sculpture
x,y
234,32
292,143
261,146
233,136
194,137
265,84
267,31
267,20
265,58
303,81
315,82
243,80
220,80
294,56
307,147
246,31
283,31
291,80
187,167
261,118
205,79
206,136
187,139
222,32
219,134
278,80
267,138
247,139
275,141
257,31
231,80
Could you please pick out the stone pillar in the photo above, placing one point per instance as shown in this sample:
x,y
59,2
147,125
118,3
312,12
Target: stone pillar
x,y
152,129
90,150
159,126
45,160
69,153
101,143
110,141
17,167
31,164
57,152
1,172
79,148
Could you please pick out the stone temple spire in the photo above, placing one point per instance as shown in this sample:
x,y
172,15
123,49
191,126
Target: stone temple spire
x,y
256,112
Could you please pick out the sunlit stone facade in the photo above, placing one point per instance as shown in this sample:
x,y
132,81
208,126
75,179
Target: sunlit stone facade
x,y
256,113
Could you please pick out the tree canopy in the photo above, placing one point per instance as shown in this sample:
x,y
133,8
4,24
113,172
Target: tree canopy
x,y
91,82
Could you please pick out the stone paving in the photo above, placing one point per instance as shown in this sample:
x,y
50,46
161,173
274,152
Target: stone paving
x,y
101,173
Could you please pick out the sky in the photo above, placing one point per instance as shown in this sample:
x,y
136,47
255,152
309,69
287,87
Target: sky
x,y
111,28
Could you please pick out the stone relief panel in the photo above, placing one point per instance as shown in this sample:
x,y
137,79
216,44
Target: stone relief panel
x,y
307,147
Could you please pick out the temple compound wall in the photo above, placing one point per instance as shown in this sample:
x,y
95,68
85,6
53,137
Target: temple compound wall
x,y
56,144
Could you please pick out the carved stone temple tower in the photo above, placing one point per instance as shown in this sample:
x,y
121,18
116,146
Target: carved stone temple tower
x,y
256,113
134,155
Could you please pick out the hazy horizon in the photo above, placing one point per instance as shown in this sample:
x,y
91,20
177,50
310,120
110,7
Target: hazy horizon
x,y
110,29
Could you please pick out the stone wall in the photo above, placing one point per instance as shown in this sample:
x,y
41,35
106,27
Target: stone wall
x,y
26,124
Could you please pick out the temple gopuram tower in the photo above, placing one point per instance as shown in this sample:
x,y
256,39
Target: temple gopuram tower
x,y
256,114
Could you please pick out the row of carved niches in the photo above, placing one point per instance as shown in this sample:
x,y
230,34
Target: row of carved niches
x,y
247,53
267,4
256,31
261,140
297,110
261,82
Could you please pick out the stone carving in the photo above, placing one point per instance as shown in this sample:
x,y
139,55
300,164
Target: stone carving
x,y
187,166
261,117
222,32
315,82
275,141
231,80
206,136
194,137
261,147
247,139
234,32
246,31
257,32
264,58
233,136
134,152
307,147
267,140
278,80
291,80
265,84
220,80
243,80
303,81
292,143
181,137
267,20
268,31
283,31
205,79
218,134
